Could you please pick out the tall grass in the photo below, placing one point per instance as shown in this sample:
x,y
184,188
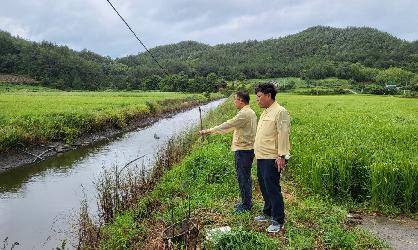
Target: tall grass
x,y
119,191
360,148
242,239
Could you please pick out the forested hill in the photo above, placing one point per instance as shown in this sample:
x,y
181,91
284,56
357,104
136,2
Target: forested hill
x,y
288,55
317,52
53,65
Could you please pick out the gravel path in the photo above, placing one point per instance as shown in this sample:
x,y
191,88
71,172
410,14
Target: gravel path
x,y
400,233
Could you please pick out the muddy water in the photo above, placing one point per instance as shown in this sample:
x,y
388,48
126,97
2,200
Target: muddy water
x,y
39,203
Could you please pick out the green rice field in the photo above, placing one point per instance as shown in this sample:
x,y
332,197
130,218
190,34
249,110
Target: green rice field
x,y
356,148
39,115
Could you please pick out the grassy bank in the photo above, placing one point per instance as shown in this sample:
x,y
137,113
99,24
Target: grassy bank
x,y
205,179
32,115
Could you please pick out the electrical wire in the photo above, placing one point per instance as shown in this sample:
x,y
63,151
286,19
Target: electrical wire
x,y
137,38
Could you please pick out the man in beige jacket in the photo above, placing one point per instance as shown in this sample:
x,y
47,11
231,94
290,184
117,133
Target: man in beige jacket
x,y
244,125
271,148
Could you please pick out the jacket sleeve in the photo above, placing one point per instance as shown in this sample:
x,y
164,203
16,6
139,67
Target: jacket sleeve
x,y
239,120
283,133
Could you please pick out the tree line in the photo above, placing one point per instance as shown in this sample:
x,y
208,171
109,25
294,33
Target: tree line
x,y
363,55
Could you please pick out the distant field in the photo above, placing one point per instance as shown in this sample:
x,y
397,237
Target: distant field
x,y
282,80
18,87
35,114
298,85
327,86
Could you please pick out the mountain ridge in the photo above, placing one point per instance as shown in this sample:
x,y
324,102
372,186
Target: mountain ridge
x,y
319,48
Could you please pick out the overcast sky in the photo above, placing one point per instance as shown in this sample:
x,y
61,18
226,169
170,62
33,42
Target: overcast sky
x,y
92,24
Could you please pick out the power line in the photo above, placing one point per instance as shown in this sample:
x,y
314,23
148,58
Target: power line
x,y
143,45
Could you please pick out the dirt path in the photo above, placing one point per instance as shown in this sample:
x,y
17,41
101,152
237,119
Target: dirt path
x,y
399,233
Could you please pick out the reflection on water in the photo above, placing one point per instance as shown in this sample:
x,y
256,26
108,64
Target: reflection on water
x,y
13,180
37,202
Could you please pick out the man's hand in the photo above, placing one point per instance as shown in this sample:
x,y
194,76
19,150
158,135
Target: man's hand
x,y
280,163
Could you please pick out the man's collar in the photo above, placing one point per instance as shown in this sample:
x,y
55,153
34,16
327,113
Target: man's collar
x,y
274,104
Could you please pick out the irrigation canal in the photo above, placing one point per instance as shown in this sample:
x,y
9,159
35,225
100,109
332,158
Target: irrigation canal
x,y
39,203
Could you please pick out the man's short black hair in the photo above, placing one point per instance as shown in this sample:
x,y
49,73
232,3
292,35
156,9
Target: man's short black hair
x,y
265,88
243,95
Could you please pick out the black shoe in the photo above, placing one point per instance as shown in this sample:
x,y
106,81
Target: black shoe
x,y
242,209
238,205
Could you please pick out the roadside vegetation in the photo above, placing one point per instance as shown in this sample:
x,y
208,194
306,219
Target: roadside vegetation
x,y
34,115
349,152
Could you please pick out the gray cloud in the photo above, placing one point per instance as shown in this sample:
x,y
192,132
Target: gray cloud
x,y
92,24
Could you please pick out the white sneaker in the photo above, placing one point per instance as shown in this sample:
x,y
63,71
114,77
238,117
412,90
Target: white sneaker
x,y
274,227
262,218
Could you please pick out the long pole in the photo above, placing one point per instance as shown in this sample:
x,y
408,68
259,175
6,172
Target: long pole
x,y
201,123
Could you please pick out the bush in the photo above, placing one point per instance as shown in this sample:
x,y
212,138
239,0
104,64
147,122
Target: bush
x,y
286,86
121,234
241,239
152,107
380,90
337,238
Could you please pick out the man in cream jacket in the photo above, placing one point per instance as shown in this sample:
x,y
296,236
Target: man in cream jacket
x,y
244,125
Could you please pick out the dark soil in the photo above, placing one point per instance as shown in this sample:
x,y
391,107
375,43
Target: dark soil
x,y
16,79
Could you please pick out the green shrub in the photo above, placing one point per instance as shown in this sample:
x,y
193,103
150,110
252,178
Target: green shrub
x,y
121,234
337,238
239,239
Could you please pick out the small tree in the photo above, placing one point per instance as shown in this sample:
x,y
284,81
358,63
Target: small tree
x,y
394,76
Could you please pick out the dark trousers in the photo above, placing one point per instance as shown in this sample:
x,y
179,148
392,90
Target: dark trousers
x,y
269,180
243,162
